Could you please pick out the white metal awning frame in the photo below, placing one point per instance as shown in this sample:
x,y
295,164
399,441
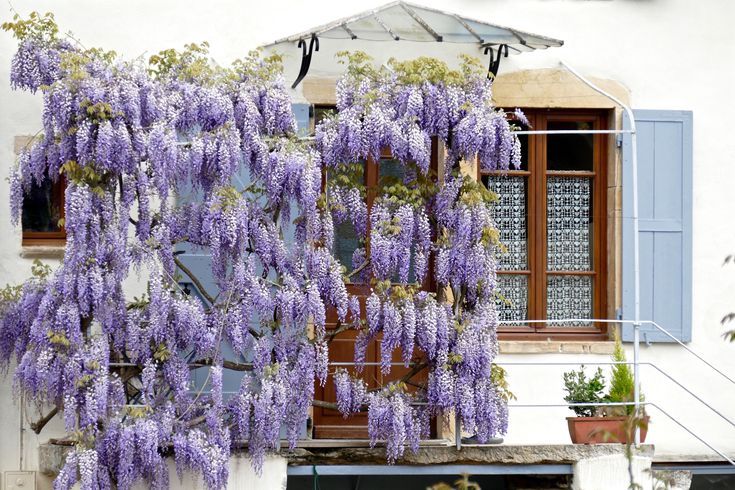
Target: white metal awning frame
x,y
404,21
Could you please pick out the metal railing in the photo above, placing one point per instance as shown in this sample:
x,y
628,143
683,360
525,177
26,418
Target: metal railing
x,y
637,403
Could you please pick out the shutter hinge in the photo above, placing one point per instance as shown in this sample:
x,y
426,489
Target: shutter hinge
x,y
619,140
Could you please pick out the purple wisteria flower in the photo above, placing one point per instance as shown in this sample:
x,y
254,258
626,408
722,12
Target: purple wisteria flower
x,y
181,156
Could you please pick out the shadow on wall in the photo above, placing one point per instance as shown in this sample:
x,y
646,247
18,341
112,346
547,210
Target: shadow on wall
x,y
486,482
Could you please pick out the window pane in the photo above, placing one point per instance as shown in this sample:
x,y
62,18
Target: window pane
x,y
42,208
513,297
345,243
346,240
569,224
569,297
572,152
391,169
510,214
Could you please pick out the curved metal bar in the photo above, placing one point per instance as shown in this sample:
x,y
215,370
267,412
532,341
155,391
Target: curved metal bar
x,y
306,57
494,64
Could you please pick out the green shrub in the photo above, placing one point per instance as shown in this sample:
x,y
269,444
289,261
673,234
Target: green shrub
x,y
622,383
581,389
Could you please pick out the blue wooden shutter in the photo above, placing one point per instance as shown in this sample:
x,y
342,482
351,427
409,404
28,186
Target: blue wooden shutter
x,y
301,111
665,224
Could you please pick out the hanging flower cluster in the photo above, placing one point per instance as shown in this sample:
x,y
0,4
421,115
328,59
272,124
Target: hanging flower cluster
x,y
180,154
405,110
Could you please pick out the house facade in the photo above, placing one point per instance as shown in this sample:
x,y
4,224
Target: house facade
x,y
564,216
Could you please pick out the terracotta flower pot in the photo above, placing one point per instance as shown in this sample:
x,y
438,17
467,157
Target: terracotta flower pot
x,y
596,430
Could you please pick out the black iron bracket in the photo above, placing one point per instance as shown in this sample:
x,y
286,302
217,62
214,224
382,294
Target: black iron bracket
x,y
306,57
494,65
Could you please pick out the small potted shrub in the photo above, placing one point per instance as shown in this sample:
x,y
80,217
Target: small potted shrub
x,y
593,424
622,386
586,426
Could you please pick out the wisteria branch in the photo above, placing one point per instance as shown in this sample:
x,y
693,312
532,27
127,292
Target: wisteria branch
x,y
195,280
38,425
359,269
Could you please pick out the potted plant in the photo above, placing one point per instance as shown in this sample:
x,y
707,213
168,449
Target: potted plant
x,y
594,424
622,386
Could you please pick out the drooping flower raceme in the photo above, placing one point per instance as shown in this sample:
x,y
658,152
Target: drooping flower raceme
x,y
180,155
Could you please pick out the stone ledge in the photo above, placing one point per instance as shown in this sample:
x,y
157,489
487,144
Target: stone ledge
x,y
42,252
469,454
556,347
52,456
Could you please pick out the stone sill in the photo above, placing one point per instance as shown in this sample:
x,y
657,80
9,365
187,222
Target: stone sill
x,y
556,347
42,252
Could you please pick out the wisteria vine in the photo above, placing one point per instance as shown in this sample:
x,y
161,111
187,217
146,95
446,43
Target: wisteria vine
x,y
135,141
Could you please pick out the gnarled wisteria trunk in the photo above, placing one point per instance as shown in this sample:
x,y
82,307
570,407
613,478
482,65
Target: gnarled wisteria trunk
x,y
129,136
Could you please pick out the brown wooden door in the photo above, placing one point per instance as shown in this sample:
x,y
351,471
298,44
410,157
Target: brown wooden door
x,y
329,423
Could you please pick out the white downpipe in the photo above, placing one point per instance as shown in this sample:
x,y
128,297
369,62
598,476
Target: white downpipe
x,y
636,246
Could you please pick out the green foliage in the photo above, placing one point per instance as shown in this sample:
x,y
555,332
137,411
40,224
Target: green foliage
x,y
255,67
58,338
229,197
162,353
424,68
498,377
412,72
87,175
191,63
474,192
359,63
98,112
622,383
11,292
41,27
138,412
348,175
581,389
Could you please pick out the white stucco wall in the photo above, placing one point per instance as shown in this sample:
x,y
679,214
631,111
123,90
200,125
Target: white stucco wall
x,y
670,54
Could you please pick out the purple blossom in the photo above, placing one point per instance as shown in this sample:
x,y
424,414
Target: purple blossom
x,y
206,163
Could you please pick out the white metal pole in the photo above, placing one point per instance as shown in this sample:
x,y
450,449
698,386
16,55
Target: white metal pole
x,y
636,245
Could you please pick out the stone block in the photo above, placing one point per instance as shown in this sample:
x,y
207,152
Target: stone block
x,y
612,472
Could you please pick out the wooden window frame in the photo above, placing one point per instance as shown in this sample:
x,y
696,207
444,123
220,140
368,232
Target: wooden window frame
x,y
49,238
536,177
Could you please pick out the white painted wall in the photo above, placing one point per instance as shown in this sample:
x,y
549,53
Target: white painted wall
x,y
671,54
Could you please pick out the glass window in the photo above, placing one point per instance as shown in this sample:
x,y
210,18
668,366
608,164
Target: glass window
x,y
550,215
569,152
43,212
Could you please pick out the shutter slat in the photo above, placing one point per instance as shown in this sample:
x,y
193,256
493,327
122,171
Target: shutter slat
x,y
665,224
